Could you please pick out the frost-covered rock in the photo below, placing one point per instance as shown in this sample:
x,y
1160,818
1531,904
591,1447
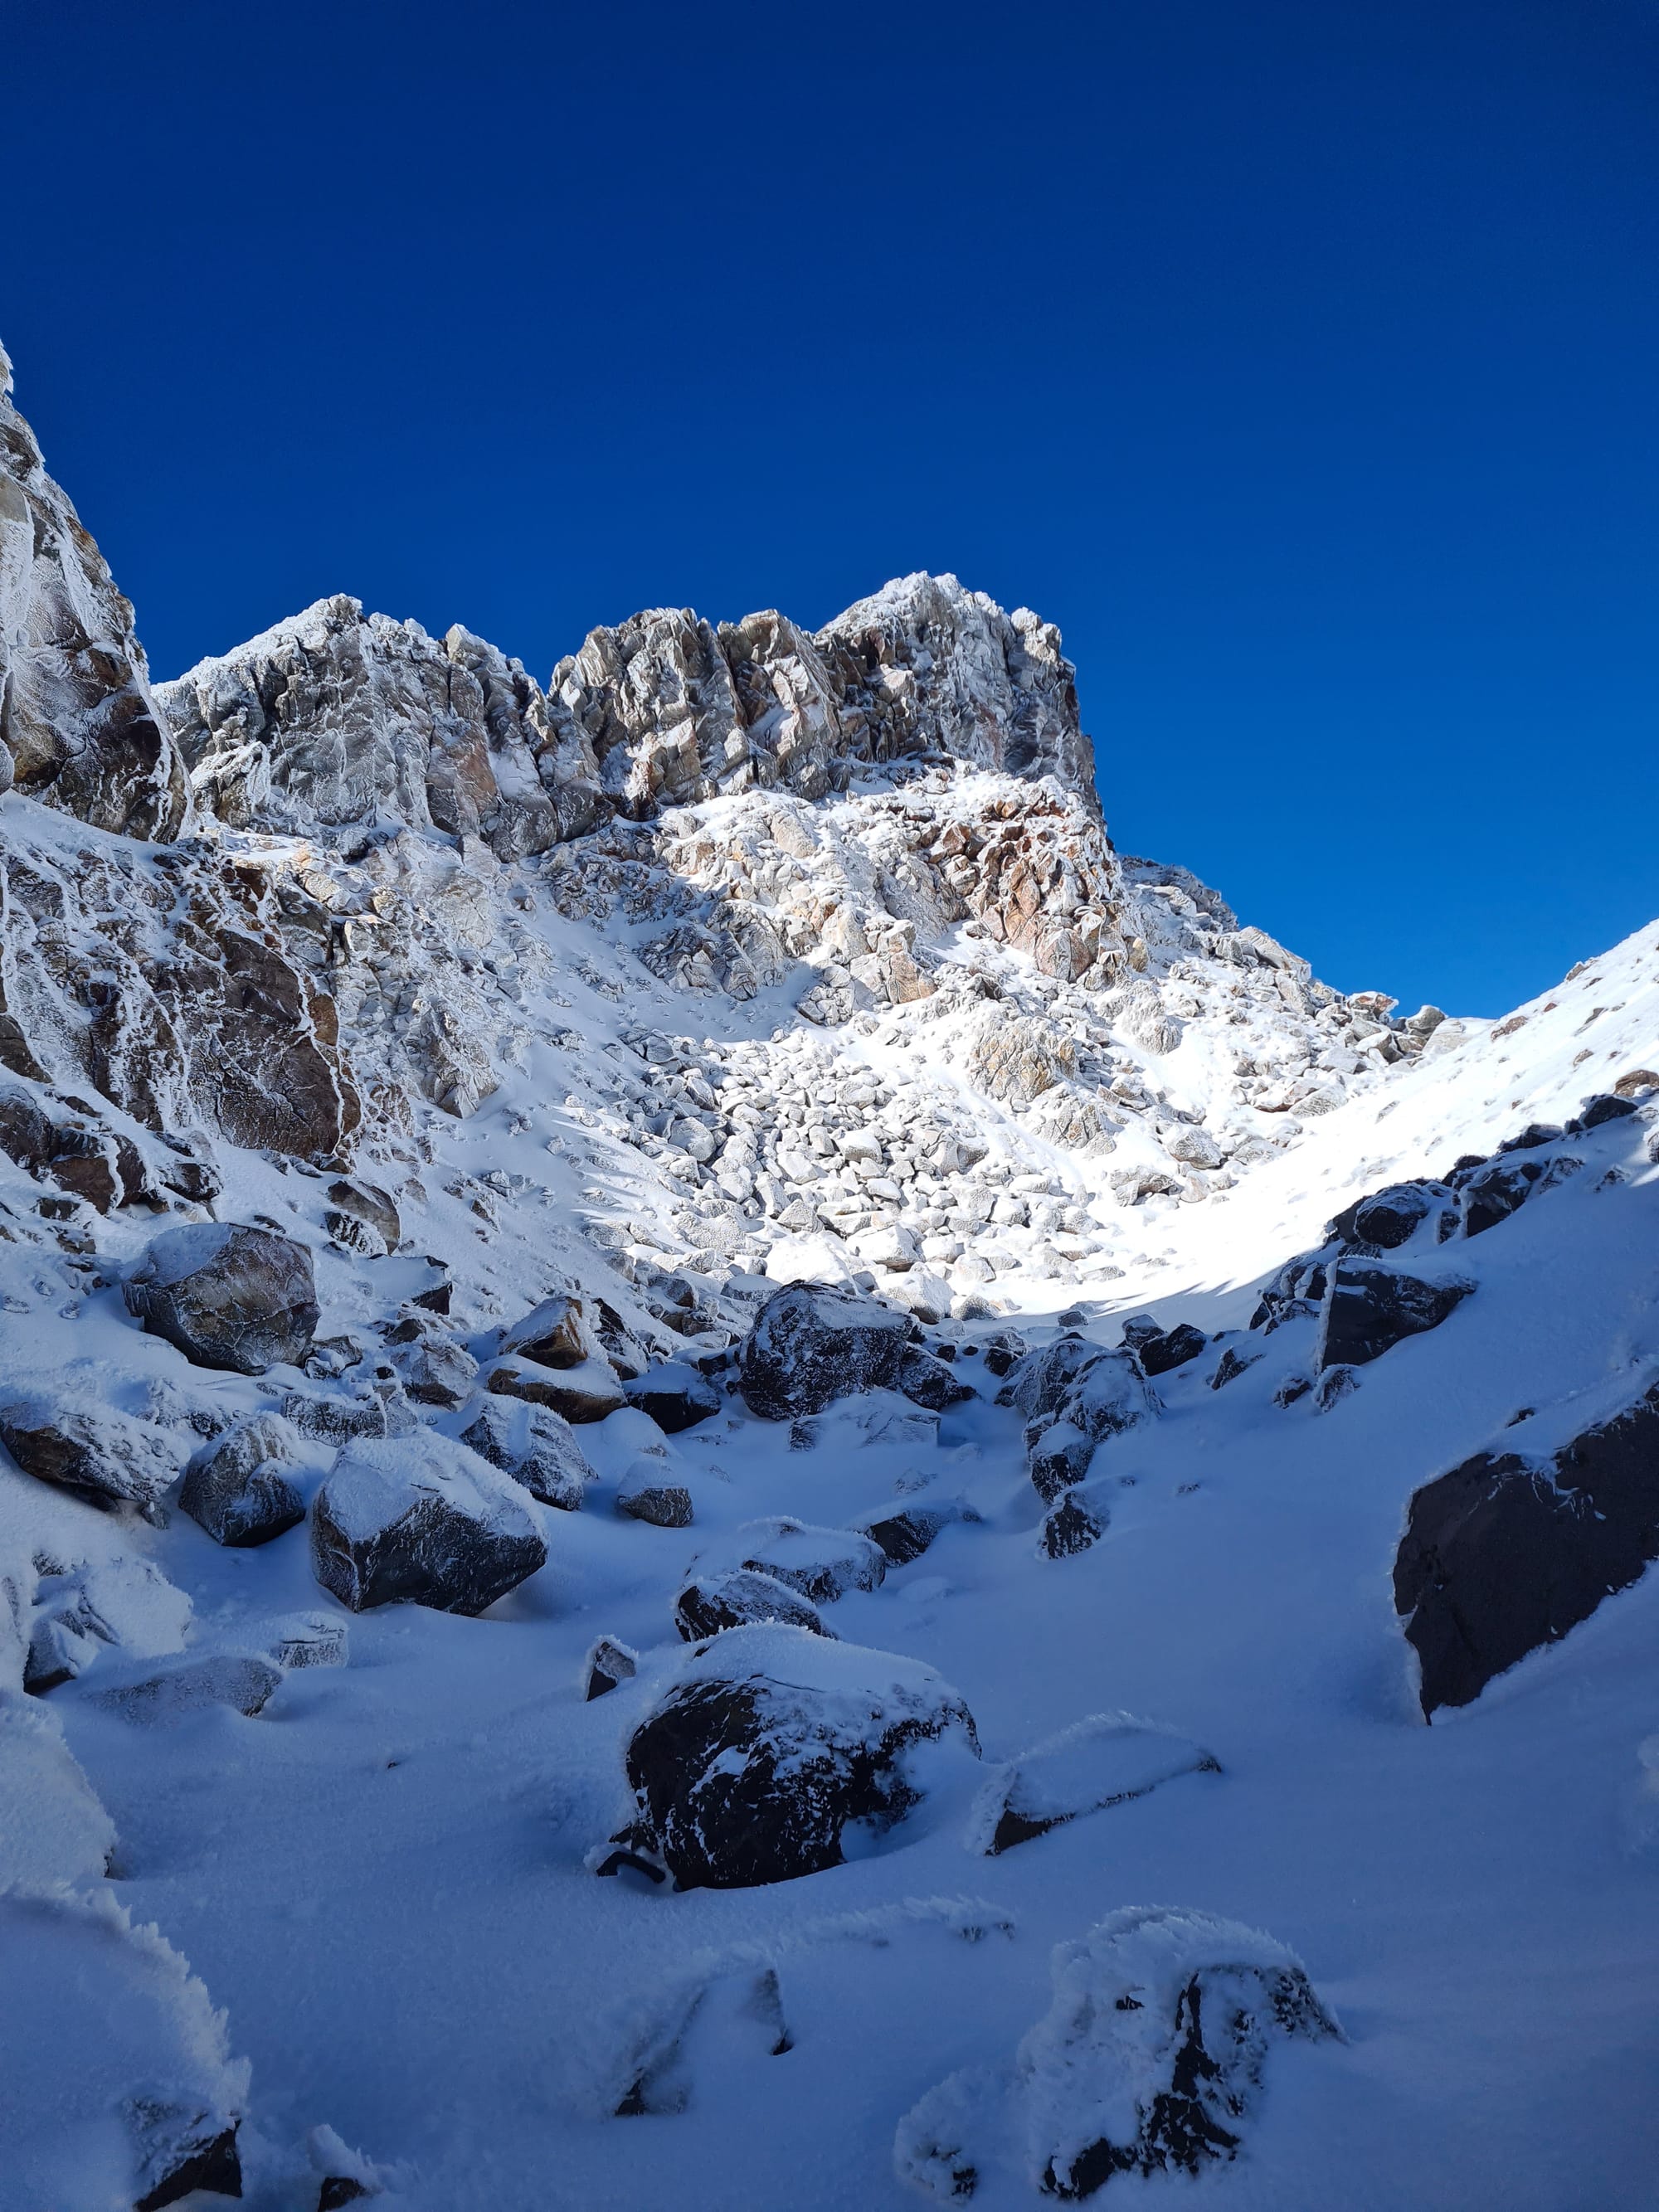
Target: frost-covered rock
x,y
708,1603
1403,1213
151,2105
822,1563
812,1343
227,1296
419,1520
534,1444
1107,1397
1371,1307
904,1533
590,1392
94,1451
1077,1522
772,1744
1510,1550
236,1488
1149,2061
1087,1767
244,1681
646,1494
1494,1189
607,1666
676,1395
1160,1350
555,1334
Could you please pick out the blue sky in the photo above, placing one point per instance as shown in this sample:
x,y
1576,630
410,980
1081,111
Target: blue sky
x,y
1298,359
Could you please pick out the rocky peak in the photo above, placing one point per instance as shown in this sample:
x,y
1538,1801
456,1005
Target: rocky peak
x,y
79,724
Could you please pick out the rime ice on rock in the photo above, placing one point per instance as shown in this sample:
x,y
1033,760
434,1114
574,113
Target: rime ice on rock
x,y
419,1520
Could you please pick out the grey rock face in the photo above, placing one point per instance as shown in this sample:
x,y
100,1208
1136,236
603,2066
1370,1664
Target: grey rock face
x,y
1500,1556
813,1343
229,1297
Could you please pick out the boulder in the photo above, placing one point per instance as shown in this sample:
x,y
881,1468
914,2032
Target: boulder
x,y
1160,1350
229,1297
1372,1307
435,1367
534,1444
1390,1218
928,1381
1075,1523
1494,1189
1149,2060
590,1392
1505,1553
1295,1290
236,1489
93,1451
1096,1763
555,1334
812,1343
420,1519
676,1395
1636,1083
243,1680
1039,1380
906,1534
822,1563
708,1603
369,1203
646,1495
1231,1366
1106,1397
1605,1106
608,1665
772,1743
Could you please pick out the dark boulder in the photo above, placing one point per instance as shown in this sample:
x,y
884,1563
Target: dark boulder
x,y
1076,1524
534,1444
236,1489
771,1744
1096,1763
812,1343
608,1665
743,1595
676,1396
1606,1106
822,1563
588,1392
229,1297
1159,1351
1387,1218
419,1520
1231,1366
1505,1553
928,1381
1038,1382
369,1203
99,1454
1000,1350
907,1533
1105,1398
1497,1188
210,2163
1296,1290
646,1496
1373,1307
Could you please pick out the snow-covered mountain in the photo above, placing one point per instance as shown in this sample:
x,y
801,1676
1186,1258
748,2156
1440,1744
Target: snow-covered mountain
x,y
726,1454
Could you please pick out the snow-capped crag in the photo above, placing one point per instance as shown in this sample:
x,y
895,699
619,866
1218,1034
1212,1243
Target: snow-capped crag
x,y
685,1379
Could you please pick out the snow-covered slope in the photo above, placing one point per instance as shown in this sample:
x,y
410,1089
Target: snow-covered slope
x,y
736,958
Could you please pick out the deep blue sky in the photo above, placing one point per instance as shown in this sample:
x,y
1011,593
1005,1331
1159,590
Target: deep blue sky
x,y
1298,357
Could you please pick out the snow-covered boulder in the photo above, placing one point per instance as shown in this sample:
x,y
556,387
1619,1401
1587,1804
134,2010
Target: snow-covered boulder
x,y
647,1493
1149,2060
236,1489
1509,1551
929,1381
1494,1189
420,1519
814,1342
555,1334
1076,1522
1371,1307
822,1563
607,1666
772,1744
1037,1381
122,2092
244,1681
534,1444
1106,1397
905,1532
588,1392
1096,1763
227,1296
676,1395
65,1438
708,1603
1402,1213
1161,1350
